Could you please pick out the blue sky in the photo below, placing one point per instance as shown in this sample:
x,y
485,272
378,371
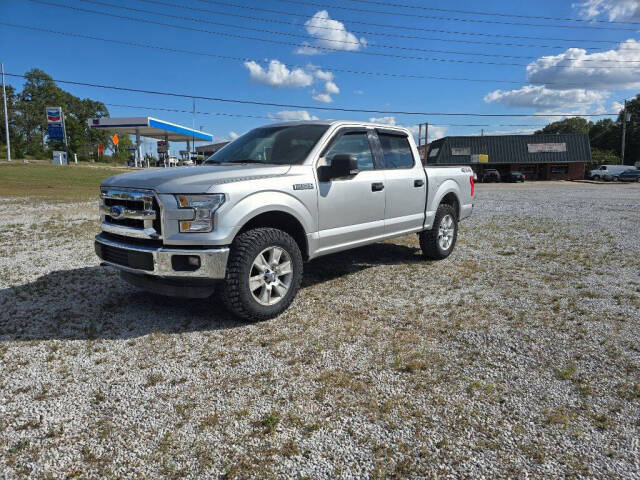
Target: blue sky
x,y
573,70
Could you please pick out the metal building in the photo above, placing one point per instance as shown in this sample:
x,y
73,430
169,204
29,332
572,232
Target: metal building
x,y
539,157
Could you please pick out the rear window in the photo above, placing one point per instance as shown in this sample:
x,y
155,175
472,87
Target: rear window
x,y
396,151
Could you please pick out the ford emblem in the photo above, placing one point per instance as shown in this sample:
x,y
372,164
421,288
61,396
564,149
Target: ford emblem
x,y
116,211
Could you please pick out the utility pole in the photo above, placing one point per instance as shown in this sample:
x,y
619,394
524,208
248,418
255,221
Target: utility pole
x,y
6,115
624,130
422,147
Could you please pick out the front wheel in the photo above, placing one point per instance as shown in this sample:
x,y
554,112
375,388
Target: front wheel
x,y
263,274
438,243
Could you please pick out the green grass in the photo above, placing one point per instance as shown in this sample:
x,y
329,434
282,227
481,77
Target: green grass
x,y
62,183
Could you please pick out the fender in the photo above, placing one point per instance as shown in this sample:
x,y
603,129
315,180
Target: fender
x,y
446,187
257,203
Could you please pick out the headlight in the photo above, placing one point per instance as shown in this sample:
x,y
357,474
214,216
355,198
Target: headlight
x,y
203,206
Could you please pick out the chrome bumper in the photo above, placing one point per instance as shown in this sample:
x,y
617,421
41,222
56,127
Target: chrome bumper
x,y
159,261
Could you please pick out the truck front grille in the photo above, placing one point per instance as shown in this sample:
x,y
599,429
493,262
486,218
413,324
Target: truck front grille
x,y
132,213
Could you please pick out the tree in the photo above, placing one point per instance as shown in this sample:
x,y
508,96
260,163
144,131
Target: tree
x,y
121,154
29,124
632,150
567,125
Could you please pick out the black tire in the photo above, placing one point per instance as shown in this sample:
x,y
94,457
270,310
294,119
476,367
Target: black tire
x,y
235,292
431,248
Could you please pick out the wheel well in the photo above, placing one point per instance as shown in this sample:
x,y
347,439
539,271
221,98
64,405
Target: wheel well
x,y
451,199
282,221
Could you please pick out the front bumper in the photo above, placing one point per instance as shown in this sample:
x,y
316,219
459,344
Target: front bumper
x,y
162,261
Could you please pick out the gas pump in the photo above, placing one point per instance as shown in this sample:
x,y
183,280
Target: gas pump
x,y
163,153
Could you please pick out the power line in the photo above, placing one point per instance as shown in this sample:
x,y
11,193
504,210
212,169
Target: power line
x,y
274,117
347,42
412,27
360,32
324,27
289,65
361,52
311,107
494,14
453,19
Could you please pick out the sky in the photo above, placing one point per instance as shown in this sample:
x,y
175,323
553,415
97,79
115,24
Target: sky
x,y
434,56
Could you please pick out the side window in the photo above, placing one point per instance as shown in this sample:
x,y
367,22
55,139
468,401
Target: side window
x,y
396,151
354,143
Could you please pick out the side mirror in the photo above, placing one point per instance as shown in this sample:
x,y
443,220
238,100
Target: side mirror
x,y
344,165
340,166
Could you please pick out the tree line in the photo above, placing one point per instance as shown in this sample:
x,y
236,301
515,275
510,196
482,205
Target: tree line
x,y
28,122
605,136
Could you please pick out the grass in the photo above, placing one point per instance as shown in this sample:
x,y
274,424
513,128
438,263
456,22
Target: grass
x,y
62,183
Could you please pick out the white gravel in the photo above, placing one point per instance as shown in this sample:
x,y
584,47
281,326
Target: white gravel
x,y
517,357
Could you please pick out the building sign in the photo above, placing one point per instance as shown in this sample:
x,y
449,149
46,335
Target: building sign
x,y
480,158
55,123
460,151
547,147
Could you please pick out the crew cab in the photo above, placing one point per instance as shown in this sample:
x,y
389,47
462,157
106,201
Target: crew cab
x,y
246,220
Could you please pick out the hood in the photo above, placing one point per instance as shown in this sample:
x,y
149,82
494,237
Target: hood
x,y
198,179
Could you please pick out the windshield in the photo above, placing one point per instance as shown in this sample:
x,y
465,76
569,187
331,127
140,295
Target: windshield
x,y
284,145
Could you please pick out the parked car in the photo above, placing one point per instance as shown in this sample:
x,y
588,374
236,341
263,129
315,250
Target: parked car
x,y
490,175
608,172
279,195
630,176
515,177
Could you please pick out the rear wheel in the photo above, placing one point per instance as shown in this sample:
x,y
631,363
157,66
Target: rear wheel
x,y
438,243
263,274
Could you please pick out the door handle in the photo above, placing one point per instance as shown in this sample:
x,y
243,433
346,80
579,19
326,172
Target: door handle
x,y
418,183
377,186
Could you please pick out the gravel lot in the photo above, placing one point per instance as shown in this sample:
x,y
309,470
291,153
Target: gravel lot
x,y
519,356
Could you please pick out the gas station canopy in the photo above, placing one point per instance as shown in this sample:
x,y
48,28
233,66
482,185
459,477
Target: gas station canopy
x,y
150,127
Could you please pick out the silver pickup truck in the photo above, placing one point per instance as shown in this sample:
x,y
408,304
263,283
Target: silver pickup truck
x,y
282,194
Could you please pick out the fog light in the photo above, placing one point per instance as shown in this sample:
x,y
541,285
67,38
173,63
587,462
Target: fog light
x,y
185,263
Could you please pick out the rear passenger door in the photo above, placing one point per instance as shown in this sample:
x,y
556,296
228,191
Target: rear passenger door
x,y
405,183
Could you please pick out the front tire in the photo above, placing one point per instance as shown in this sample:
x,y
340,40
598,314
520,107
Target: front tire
x,y
438,243
264,273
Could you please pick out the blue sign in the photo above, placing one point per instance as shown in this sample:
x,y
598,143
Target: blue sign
x,y
56,132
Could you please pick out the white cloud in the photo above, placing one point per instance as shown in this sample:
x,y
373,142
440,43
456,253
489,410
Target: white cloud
x,y
321,74
435,132
331,87
541,97
384,120
329,33
617,106
278,75
323,97
615,10
233,135
359,92
307,49
293,115
618,68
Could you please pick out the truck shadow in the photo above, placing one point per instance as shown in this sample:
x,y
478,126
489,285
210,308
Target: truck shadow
x,y
94,303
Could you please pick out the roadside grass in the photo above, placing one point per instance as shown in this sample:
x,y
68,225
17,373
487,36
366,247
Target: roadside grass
x,y
53,182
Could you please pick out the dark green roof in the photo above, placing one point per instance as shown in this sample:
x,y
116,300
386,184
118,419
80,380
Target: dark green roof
x,y
561,148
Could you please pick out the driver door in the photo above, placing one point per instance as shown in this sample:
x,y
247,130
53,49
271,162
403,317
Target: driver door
x,y
351,209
